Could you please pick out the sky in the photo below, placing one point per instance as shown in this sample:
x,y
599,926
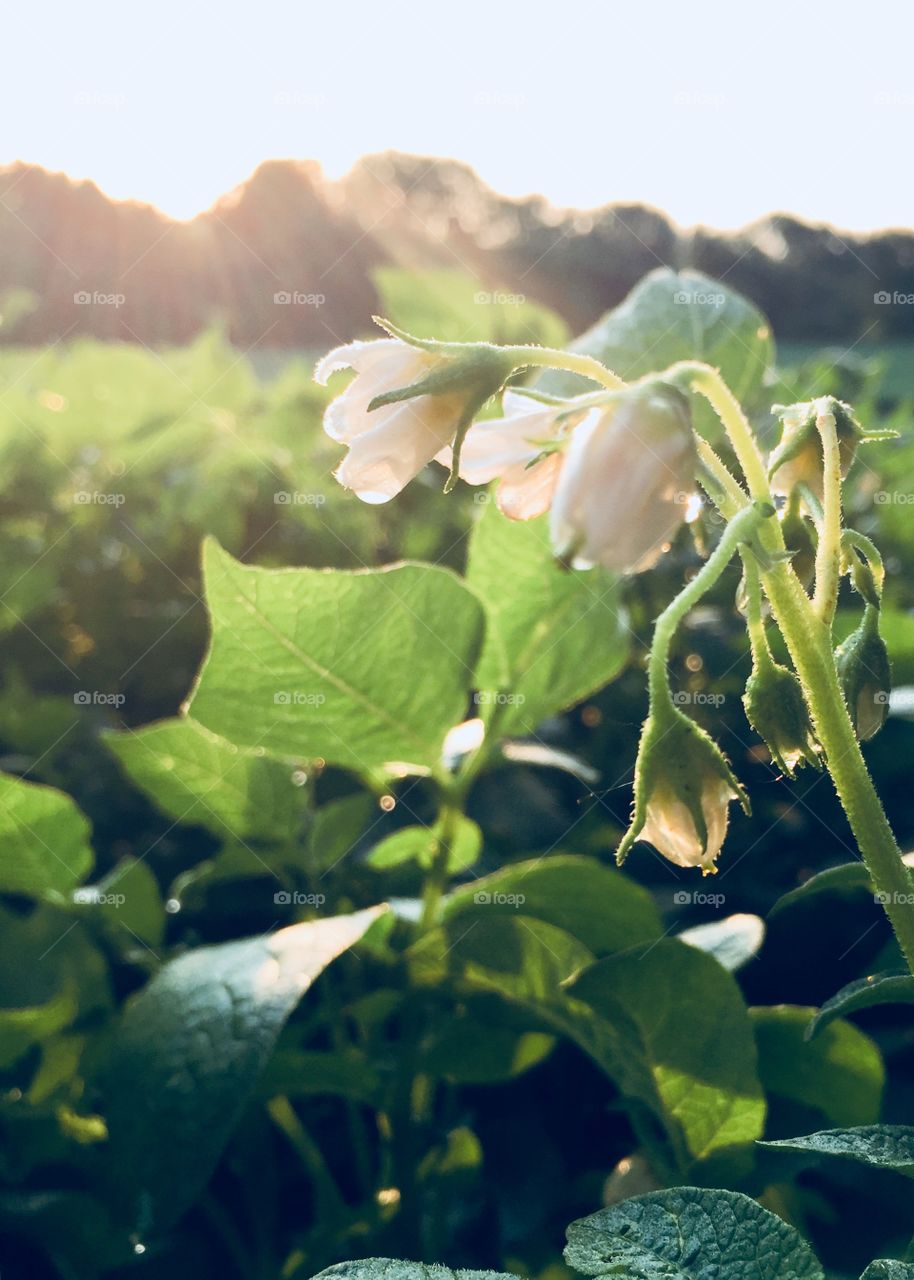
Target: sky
x,y
716,113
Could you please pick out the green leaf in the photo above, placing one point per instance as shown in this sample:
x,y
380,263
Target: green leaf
x,y
689,1233
522,959
394,1269
421,844
197,777
888,1269
44,840
848,878
554,635
338,826
864,993
129,896
732,941
359,668
602,908
671,316
682,1043
885,1146
841,1075
189,1050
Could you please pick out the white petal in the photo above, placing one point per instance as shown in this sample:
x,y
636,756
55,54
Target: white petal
x,y
527,492
383,460
384,365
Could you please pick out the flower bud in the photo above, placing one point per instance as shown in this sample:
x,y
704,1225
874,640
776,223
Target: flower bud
x,y
626,479
798,457
683,789
408,400
865,674
800,541
776,709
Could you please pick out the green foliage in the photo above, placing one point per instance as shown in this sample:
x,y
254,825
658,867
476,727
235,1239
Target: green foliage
x,y
188,1085
690,1234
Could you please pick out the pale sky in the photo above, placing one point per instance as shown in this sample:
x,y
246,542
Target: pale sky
x,y
714,112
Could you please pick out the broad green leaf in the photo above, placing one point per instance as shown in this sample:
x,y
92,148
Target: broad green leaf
x,y
690,1233
888,1269
421,844
886,1146
865,993
671,316
520,958
44,840
841,1074
189,1050
602,908
348,1073
359,668
732,941
197,777
394,1269
683,1044
338,826
554,635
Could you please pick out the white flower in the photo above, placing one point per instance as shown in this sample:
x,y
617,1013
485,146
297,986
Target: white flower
x,y
683,789
511,449
390,444
670,827
626,480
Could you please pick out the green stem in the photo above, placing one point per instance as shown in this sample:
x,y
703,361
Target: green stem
x,y
572,362
758,639
437,879
327,1193
809,644
828,552
741,528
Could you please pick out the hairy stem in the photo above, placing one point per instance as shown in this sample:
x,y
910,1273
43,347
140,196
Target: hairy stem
x,y
572,362
828,552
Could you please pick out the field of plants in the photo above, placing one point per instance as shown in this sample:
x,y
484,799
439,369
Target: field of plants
x,y
314,944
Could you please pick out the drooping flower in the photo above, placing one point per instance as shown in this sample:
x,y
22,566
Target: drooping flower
x,y
776,709
522,450
408,400
683,790
626,480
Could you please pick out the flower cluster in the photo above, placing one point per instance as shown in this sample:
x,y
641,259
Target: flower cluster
x,y
614,469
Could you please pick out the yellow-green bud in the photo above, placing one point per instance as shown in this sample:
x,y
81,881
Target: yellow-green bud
x,y
776,709
798,457
865,674
800,542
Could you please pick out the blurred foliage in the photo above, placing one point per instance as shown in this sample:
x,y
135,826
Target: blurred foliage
x,y
170,1105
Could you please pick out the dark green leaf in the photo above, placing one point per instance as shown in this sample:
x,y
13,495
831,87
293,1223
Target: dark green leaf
x,y
188,1053
886,1146
690,1234
865,993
